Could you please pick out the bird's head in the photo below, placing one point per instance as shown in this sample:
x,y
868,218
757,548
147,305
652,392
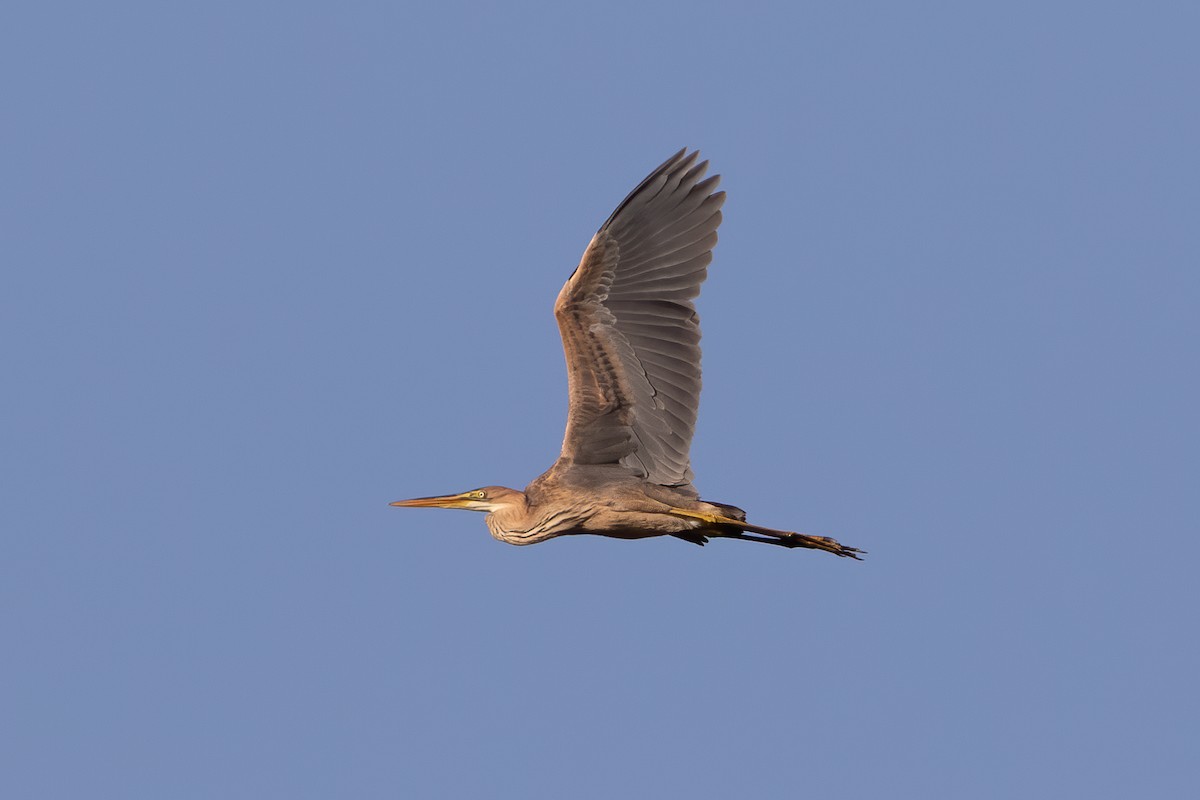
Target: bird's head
x,y
489,499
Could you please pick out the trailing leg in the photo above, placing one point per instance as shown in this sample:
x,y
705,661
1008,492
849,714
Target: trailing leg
x,y
735,529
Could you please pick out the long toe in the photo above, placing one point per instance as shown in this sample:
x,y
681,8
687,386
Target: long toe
x,y
825,543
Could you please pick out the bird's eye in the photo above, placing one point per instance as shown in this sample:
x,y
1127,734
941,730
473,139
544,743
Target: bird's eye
x,y
481,494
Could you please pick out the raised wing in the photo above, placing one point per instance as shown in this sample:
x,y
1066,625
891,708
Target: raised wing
x,y
630,332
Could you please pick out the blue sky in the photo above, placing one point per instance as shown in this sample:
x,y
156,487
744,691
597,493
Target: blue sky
x,y
268,267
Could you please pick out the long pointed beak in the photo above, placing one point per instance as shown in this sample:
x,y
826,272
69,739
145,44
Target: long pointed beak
x,y
444,501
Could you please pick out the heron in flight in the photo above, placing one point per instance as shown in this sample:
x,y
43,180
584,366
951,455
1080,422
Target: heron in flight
x,y
632,341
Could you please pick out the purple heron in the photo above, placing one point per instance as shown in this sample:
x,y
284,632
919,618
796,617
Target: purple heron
x,y
632,341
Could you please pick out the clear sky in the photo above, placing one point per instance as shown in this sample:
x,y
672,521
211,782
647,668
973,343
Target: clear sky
x,y
268,267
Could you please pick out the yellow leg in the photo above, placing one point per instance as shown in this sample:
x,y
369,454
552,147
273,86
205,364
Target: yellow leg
x,y
711,519
783,538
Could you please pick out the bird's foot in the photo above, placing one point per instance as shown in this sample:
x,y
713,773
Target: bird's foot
x,y
820,543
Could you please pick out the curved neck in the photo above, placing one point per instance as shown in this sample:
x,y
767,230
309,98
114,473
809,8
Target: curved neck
x,y
517,522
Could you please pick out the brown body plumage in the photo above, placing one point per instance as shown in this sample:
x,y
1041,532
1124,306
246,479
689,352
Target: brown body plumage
x,y
632,343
